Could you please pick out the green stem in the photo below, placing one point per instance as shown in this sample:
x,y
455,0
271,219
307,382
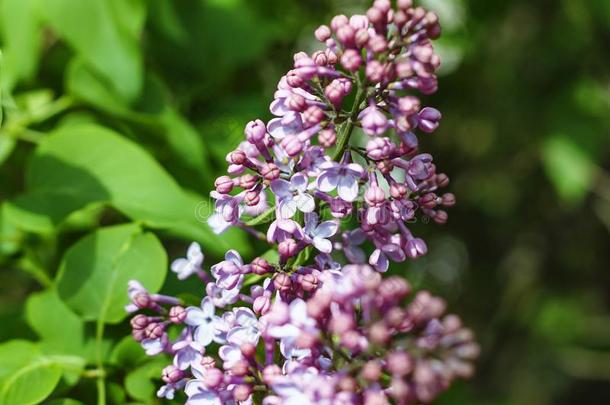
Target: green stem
x,y
348,127
101,378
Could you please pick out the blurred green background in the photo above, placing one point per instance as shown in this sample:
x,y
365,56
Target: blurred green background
x,y
525,138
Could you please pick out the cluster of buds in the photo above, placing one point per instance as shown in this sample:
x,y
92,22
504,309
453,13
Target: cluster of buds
x,y
318,323
304,162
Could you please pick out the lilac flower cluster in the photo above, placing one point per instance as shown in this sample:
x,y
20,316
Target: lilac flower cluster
x,y
318,324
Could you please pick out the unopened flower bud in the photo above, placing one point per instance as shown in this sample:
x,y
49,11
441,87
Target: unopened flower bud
x,y
282,282
313,115
429,119
240,368
296,102
255,131
172,374
155,330
224,184
441,180
261,305
448,199
374,196
270,171
292,145
428,200
415,248
288,248
252,198
212,377
322,33
177,314
440,217
379,333
327,137
351,60
378,44
248,350
238,157
270,373
261,266
398,191
338,21
308,282
374,71
399,363
247,181
139,322
371,371
242,392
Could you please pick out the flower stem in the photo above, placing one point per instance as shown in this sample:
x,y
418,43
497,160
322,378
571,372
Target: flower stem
x,y
348,127
101,378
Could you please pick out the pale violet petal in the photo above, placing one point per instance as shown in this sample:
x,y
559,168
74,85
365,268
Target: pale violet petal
x,y
327,181
323,245
305,202
327,229
348,188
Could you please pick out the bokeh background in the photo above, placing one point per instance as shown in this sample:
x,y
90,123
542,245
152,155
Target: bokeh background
x,y
525,138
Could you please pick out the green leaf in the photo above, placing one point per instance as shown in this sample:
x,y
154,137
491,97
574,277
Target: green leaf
x,y
263,218
21,37
27,376
60,329
7,145
81,164
139,384
184,140
569,168
127,353
94,272
108,43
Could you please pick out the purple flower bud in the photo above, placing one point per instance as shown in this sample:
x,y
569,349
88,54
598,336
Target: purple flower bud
x,y
238,157
361,38
155,330
224,184
375,397
379,148
428,119
448,200
308,282
359,21
296,102
440,217
378,44
404,4
415,248
320,58
334,92
399,363
383,5
408,105
322,33
177,314
270,171
247,181
172,374
261,304
292,145
373,121
327,137
313,115
252,198
338,21
255,131
282,282
371,371
139,322
394,289
398,191
345,35
379,333
242,392
351,60
376,16
261,266
270,373
208,362
294,80
212,377
374,196
374,71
